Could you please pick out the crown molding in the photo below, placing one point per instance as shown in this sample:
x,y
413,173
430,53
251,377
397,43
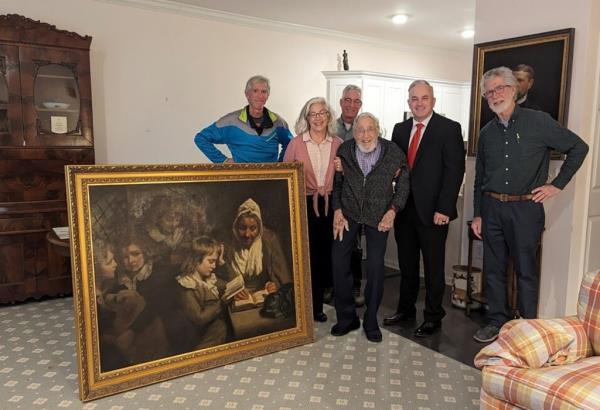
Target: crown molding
x,y
249,21
387,76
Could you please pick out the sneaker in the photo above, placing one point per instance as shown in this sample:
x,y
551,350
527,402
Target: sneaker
x,y
359,300
486,334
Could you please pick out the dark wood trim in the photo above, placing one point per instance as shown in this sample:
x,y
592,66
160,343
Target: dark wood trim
x,y
19,29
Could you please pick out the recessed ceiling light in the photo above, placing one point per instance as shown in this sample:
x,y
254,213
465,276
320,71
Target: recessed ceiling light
x,y
467,33
399,19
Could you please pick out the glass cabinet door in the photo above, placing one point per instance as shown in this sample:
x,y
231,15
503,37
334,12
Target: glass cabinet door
x,y
56,100
11,128
55,86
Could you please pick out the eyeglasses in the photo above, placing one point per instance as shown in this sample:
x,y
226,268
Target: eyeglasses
x,y
351,101
498,90
320,114
368,130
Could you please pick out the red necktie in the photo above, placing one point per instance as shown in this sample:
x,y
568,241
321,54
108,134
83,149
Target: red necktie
x,y
414,144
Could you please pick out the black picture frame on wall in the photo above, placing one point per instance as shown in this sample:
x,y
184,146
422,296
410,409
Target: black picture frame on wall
x,y
550,54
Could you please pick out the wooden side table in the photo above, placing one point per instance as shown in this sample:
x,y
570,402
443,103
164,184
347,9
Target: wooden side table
x,y
471,297
58,280
60,246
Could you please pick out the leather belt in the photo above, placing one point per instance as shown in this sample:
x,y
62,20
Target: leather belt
x,y
509,198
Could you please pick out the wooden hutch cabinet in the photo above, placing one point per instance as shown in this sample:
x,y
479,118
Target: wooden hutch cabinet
x,y
45,123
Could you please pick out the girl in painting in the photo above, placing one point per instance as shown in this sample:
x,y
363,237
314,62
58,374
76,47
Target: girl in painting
x,y
153,283
105,266
167,229
200,310
116,308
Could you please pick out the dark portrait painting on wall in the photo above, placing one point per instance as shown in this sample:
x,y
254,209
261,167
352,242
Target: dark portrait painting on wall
x,y
207,264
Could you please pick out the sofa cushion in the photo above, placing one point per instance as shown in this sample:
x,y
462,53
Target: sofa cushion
x,y
489,402
536,343
571,386
588,307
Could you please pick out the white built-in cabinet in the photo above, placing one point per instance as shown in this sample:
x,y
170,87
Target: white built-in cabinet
x,y
385,96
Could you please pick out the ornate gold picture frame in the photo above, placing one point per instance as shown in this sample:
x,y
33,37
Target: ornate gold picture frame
x,y
550,54
182,268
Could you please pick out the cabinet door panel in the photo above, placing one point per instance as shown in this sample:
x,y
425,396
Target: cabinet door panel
x,y
16,281
50,100
11,124
37,174
28,265
24,180
395,105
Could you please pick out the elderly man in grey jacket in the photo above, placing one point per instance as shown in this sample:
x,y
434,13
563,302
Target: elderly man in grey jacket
x,y
369,192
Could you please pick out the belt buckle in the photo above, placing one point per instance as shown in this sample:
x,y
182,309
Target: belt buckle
x,y
503,197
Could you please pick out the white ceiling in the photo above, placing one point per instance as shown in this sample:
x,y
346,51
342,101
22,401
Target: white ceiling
x,y
432,23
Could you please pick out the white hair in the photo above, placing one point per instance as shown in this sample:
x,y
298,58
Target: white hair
x,y
504,73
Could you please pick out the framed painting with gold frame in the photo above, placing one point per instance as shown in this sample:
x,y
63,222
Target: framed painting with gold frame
x,y
182,268
550,55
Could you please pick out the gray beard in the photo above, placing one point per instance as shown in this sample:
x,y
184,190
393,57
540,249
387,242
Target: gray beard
x,y
365,150
499,109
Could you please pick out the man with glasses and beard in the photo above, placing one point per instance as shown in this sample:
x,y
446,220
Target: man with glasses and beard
x,y
511,171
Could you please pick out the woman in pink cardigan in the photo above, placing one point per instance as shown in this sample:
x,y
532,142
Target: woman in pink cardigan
x,y
316,145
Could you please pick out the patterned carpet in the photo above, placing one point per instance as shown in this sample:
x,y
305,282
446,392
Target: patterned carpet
x,y
38,370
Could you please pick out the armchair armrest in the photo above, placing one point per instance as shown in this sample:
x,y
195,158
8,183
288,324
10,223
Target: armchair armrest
x,y
534,343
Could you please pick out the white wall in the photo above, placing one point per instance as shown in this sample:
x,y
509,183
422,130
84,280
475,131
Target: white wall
x,y
563,244
158,77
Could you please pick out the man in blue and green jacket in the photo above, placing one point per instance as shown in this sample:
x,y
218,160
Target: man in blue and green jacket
x,y
252,134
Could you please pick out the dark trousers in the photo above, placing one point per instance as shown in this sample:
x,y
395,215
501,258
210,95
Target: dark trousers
x,y
412,239
342,275
356,263
515,229
320,236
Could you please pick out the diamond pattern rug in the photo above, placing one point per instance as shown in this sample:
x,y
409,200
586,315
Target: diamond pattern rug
x,y
38,370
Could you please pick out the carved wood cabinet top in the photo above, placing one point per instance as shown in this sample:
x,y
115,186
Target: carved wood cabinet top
x,y
19,29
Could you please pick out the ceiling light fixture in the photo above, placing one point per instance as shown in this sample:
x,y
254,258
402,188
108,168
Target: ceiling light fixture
x,y
467,33
399,19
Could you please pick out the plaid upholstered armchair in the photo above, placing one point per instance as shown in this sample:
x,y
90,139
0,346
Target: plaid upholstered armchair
x,y
546,363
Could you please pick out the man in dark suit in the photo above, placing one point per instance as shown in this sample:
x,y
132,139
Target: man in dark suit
x,y
434,148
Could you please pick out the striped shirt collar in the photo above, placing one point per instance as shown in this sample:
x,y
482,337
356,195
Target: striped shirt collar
x,y
366,160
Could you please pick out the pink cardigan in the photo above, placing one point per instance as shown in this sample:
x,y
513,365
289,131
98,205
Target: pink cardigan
x,y
297,151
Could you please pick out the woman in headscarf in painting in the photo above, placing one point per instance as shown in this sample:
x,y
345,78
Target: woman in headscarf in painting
x,y
257,254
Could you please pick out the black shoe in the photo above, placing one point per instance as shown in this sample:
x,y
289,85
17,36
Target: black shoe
x,y
374,335
428,328
320,317
398,318
338,330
